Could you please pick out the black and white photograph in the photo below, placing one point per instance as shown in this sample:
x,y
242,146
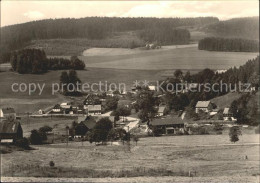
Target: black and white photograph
x,y
128,91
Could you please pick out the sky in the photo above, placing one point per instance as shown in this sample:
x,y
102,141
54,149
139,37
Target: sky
x,y
14,12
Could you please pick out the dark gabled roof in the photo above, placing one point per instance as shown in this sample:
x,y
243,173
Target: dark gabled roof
x,y
8,110
57,106
89,122
166,121
9,127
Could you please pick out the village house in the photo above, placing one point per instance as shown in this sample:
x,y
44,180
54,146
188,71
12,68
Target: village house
x,y
7,112
57,109
205,106
161,111
41,112
168,125
220,71
94,109
84,125
152,87
227,115
91,100
10,131
65,105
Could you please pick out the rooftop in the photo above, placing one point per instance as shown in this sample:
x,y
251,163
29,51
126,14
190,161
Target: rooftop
x,y
161,109
8,110
202,104
9,126
166,121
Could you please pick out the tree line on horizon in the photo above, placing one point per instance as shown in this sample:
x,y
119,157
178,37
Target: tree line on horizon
x,y
18,36
228,44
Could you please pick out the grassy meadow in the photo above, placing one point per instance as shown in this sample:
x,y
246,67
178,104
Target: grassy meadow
x,y
117,66
175,58
208,156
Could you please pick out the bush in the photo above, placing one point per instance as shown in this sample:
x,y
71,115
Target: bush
x,y
52,164
37,138
23,143
45,129
234,132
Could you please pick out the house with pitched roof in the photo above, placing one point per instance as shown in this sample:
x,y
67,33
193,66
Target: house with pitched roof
x,y
94,109
227,115
84,125
205,106
10,131
168,125
161,111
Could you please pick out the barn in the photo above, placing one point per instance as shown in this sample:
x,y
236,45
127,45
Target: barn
x,y
10,131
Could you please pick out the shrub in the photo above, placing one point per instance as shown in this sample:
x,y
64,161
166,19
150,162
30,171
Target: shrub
x,y
45,129
52,164
23,143
234,132
37,138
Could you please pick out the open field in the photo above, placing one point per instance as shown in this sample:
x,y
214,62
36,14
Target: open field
x,y
144,179
209,156
172,58
117,66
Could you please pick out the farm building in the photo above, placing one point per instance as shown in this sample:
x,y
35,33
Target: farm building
x,y
65,105
85,124
220,71
168,125
227,115
7,112
152,87
57,109
94,109
91,100
161,111
205,106
10,131
41,112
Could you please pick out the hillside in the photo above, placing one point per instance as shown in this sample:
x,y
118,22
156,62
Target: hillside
x,y
225,100
97,28
247,28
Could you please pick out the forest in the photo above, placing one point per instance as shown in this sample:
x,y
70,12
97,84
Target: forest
x,y
246,28
34,61
18,36
166,35
228,44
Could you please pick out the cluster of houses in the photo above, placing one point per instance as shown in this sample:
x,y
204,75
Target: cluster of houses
x,y
92,105
169,124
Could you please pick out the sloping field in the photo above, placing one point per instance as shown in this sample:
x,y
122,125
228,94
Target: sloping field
x,y
207,155
226,100
169,58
